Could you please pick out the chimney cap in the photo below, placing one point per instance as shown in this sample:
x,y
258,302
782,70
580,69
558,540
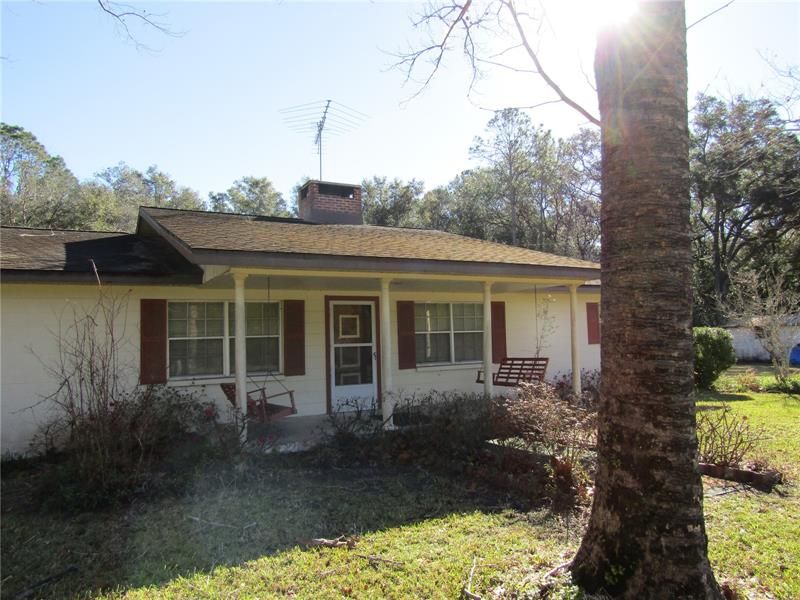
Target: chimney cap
x,y
339,183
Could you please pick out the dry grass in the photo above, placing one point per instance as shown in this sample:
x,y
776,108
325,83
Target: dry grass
x,y
239,532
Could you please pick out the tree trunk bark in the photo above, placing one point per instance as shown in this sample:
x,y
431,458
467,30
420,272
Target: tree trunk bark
x,y
646,536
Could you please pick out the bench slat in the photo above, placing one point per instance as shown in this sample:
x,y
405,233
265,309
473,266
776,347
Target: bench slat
x,y
516,370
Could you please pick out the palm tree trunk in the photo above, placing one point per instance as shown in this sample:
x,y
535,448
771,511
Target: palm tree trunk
x,y
646,536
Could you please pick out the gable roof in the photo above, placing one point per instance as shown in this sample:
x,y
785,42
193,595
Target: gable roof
x,y
42,254
245,240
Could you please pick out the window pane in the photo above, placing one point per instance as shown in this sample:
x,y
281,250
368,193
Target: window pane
x,y
195,357
271,319
432,317
433,347
262,354
214,328
468,346
214,310
468,317
261,318
177,327
196,314
177,310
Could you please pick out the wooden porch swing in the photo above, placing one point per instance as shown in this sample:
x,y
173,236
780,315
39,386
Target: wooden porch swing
x,y
514,371
259,407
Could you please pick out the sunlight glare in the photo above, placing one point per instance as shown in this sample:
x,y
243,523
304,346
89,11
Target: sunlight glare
x,y
607,13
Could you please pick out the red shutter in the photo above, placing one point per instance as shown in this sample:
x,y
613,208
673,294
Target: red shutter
x,y
153,344
294,337
406,340
499,351
593,322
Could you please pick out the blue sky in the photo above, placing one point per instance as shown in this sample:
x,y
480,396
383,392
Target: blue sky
x,y
205,106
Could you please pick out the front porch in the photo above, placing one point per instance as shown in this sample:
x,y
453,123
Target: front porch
x,y
386,303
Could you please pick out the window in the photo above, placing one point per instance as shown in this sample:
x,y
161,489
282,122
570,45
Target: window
x,y
262,336
196,333
200,336
448,333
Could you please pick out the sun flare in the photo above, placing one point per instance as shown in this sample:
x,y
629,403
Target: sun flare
x,y
606,13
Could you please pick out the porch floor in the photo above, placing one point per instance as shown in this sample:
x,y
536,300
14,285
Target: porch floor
x,y
293,434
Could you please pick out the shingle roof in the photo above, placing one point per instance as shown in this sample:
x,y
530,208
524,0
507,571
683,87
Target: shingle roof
x,y
242,233
70,253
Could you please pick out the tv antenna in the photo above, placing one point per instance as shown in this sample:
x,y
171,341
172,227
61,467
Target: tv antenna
x,y
323,119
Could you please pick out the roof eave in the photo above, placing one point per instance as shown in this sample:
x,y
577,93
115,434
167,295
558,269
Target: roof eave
x,y
279,260
54,276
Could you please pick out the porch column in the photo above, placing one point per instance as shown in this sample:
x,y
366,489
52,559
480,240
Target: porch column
x,y
386,350
573,329
487,338
240,365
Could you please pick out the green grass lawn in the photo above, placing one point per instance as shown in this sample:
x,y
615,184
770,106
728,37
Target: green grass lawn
x,y
754,538
242,529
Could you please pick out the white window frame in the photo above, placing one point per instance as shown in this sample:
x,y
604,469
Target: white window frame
x,y
452,333
227,337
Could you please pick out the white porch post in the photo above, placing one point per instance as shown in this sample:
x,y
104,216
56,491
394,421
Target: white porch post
x,y
573,328
487,338
240,366
387,356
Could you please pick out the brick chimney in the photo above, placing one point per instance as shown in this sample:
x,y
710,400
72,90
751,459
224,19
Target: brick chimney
x,y
326,202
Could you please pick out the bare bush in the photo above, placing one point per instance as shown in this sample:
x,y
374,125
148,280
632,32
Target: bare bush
x,y
770,307
590,388
108,430
724,438
550,424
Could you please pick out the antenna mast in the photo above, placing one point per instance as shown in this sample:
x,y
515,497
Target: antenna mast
x,y
320,129
326,118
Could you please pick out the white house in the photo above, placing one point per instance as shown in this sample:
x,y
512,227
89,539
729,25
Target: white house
x,y
337,308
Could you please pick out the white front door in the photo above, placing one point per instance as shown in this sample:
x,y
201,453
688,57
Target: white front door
x,y
353,367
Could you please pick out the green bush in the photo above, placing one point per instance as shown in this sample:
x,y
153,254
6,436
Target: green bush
x,y
713,353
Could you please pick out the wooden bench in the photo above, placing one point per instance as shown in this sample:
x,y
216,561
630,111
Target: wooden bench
x,y
513,371
259,406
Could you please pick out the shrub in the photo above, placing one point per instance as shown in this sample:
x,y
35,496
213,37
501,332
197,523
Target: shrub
x,y
590,388
723,438
545,423
443,429
713,353
109,453
549,424
105,432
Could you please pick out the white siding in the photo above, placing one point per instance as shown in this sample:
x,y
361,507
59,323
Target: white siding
x,y
31,314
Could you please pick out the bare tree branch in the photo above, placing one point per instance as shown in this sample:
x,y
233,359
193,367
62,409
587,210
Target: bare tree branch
x,y
452,15
713,12
548,80
122,13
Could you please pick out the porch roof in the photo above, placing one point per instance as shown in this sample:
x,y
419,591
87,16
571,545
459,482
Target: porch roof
x,y
253,241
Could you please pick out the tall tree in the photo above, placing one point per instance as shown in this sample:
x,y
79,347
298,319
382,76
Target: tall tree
x,y
646,535
36,188
508,151
391,203
251,196
745,166
116,193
